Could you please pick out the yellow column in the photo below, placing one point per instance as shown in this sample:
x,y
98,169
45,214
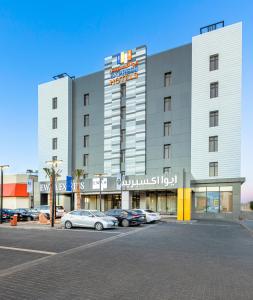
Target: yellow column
x,y
183,204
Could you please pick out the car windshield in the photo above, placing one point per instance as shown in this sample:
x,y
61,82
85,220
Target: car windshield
x,y
98,213
138,211
59,207
149,210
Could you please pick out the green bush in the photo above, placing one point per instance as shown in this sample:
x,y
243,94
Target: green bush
x,y
251,205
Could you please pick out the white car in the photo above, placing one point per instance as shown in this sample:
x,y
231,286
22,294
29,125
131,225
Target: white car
x,y
88,218
45,209
150,215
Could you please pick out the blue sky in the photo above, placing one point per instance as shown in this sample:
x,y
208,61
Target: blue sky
x,y
40,39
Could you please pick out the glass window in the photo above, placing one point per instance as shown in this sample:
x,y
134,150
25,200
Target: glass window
x,y
123,135
213,143
166,128
167,171
85,160
86,141
86,120
85,213
213,200
214,62
54,143
86,99
166,151
123,90
54,103
214,89
167,79
123,112
226,201
213,169
54,158
54,123
213,118
200,202
167,103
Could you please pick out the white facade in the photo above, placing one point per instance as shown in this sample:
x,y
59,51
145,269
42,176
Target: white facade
x,y
62,89
227,43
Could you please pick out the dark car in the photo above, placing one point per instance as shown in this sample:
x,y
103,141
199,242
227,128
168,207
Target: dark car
x,y
6,214
126,217
24,214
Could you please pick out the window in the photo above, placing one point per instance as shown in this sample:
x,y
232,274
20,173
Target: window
x,y
214,118
123,112
86,120
54,158
85,175
54,123
54,143
167,79
86,99
167,103
123,90
226,201
167,171
214,87
85,160
122,156
86,141
166,128
214,62
123,135
54,103
213,143
166,151
213,169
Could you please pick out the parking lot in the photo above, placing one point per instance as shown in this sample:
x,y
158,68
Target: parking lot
x,y
202,260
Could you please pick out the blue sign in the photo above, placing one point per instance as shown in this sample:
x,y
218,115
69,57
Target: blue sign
x,y
68,183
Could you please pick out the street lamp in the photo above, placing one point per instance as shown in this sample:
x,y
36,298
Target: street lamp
x,y
2,167
53,163
100,175
31,173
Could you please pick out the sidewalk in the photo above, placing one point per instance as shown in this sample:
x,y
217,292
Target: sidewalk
x,y
32,225
248,224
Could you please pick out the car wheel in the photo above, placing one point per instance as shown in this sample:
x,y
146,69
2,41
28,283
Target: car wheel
x,y
99,226
68,225
125,223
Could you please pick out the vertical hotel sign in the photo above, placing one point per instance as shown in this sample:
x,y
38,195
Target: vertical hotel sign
x,y
125,70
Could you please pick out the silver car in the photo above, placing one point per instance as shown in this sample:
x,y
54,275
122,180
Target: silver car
x,y
88,218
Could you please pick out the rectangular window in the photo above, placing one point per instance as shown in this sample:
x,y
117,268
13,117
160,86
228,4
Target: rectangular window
x,y
54,143
86,141
213,143
123,90
167,79
54,158
167,103
214,89
226,201
123,135
214,62
85,160
86,120
122,156
86,99
54,123
167,128
54,103
214,118
213,169
200,202
123,112
166,151
167,171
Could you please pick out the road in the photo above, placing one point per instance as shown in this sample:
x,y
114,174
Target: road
x,y
203,260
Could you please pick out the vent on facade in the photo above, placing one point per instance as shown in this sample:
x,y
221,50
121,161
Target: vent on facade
x,y
63,75
212,27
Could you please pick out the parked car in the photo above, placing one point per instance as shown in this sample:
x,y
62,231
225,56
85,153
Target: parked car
x,y
149,215
45,209
88,218
24,214
6,214
126,217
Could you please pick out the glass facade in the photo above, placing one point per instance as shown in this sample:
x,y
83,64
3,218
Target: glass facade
x,y
163,202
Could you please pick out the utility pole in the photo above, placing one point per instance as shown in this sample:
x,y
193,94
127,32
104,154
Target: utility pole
x,y
2,167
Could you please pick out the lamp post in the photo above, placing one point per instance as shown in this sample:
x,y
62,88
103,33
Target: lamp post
x,y
2,167
100,175
53,164
31,173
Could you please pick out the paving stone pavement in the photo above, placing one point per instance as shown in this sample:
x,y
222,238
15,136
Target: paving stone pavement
x,y
203,260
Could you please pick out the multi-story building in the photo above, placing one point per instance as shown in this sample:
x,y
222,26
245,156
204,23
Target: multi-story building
x,y
168,125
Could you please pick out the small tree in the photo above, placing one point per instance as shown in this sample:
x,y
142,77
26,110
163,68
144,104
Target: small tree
x,y
251,205
78,174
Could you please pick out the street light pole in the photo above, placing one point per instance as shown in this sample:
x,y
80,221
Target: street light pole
x,y
2,189
100,175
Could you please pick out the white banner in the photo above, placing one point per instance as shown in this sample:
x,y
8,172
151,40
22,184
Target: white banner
x,y
96,183
29,187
